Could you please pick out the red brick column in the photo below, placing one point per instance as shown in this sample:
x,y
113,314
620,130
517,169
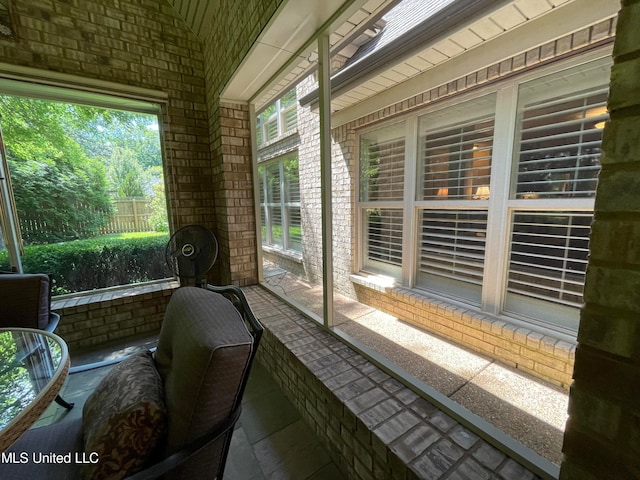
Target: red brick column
x,y
235,212
602,439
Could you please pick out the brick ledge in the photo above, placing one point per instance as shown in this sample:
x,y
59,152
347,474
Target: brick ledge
x,y
540,354
374,426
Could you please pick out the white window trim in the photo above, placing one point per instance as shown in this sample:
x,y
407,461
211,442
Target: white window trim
x,y
284,206
500,204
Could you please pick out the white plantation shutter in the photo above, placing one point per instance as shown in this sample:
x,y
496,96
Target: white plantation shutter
x,y
452,251
292,203
560,146
382,177
290,119
555,168
384,229
548,257
455,148
455,151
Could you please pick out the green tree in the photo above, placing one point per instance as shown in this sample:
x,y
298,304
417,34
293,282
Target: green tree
x,y
54,183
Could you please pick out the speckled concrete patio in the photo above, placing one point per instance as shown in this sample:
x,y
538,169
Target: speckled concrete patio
x,y
528,409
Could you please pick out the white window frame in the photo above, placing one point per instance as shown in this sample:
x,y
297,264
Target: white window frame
x,y
279,117
284,205
500,204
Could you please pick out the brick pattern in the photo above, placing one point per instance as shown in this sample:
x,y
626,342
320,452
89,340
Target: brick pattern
x,y
602,439
541,355
141,43
112,315
236,28
233,179
372,425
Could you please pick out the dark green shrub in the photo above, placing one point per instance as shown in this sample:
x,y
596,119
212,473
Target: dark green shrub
x,y
100,262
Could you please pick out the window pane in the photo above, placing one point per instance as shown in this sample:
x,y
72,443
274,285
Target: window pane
x,y
274,188
275,215
457,162
456,159
89,192
288,98
560,122
382,165
281,201
292,180
384,236
560,147
452,250
549,253
295,229
290,119
271,129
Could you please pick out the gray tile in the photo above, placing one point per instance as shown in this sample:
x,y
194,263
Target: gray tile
x,y
328,472
291,453
266,415
241,461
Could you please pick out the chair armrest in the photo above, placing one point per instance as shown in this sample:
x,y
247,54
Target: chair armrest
x,y
174,460
54,319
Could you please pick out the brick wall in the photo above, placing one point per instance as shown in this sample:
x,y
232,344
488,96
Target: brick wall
x,y
237,26
541,355
602,439
233,179
373,426
112,315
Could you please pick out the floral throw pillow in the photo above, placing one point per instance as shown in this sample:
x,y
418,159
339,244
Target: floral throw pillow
x,y
124,420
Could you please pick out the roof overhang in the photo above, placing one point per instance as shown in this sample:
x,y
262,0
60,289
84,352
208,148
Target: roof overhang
x,y
285,49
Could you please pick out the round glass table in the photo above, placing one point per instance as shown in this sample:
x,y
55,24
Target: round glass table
x,y
33,366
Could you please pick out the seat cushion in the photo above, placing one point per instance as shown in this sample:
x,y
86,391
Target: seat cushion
x,y
203,355
62,438
124,419
25,300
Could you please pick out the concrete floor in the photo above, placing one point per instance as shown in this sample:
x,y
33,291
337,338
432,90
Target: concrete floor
x,y
270,442
528,409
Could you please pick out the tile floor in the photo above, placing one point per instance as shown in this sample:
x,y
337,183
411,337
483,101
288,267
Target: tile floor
x,y
271,441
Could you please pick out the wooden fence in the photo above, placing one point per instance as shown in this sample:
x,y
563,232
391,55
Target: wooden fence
x,y
131,215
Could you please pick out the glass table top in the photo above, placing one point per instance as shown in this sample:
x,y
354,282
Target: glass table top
x,y
32,364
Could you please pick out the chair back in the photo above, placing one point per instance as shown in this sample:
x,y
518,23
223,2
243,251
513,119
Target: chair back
x,y
25,300
203,356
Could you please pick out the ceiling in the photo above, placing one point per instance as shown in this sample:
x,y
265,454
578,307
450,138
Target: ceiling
x,y
285,51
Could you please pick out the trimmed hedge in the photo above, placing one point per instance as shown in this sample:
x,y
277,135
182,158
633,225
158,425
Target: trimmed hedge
x,y
82,265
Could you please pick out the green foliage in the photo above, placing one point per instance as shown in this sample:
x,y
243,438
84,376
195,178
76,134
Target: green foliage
x,y
65,160
158,218
54,183
100,262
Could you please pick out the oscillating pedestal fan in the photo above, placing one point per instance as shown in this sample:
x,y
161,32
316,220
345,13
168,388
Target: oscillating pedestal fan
x,y
191,252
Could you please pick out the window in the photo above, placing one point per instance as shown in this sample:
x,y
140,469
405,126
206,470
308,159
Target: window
x,y
382,156
500,218
277,119
84,198
280,203
555,169
455,148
